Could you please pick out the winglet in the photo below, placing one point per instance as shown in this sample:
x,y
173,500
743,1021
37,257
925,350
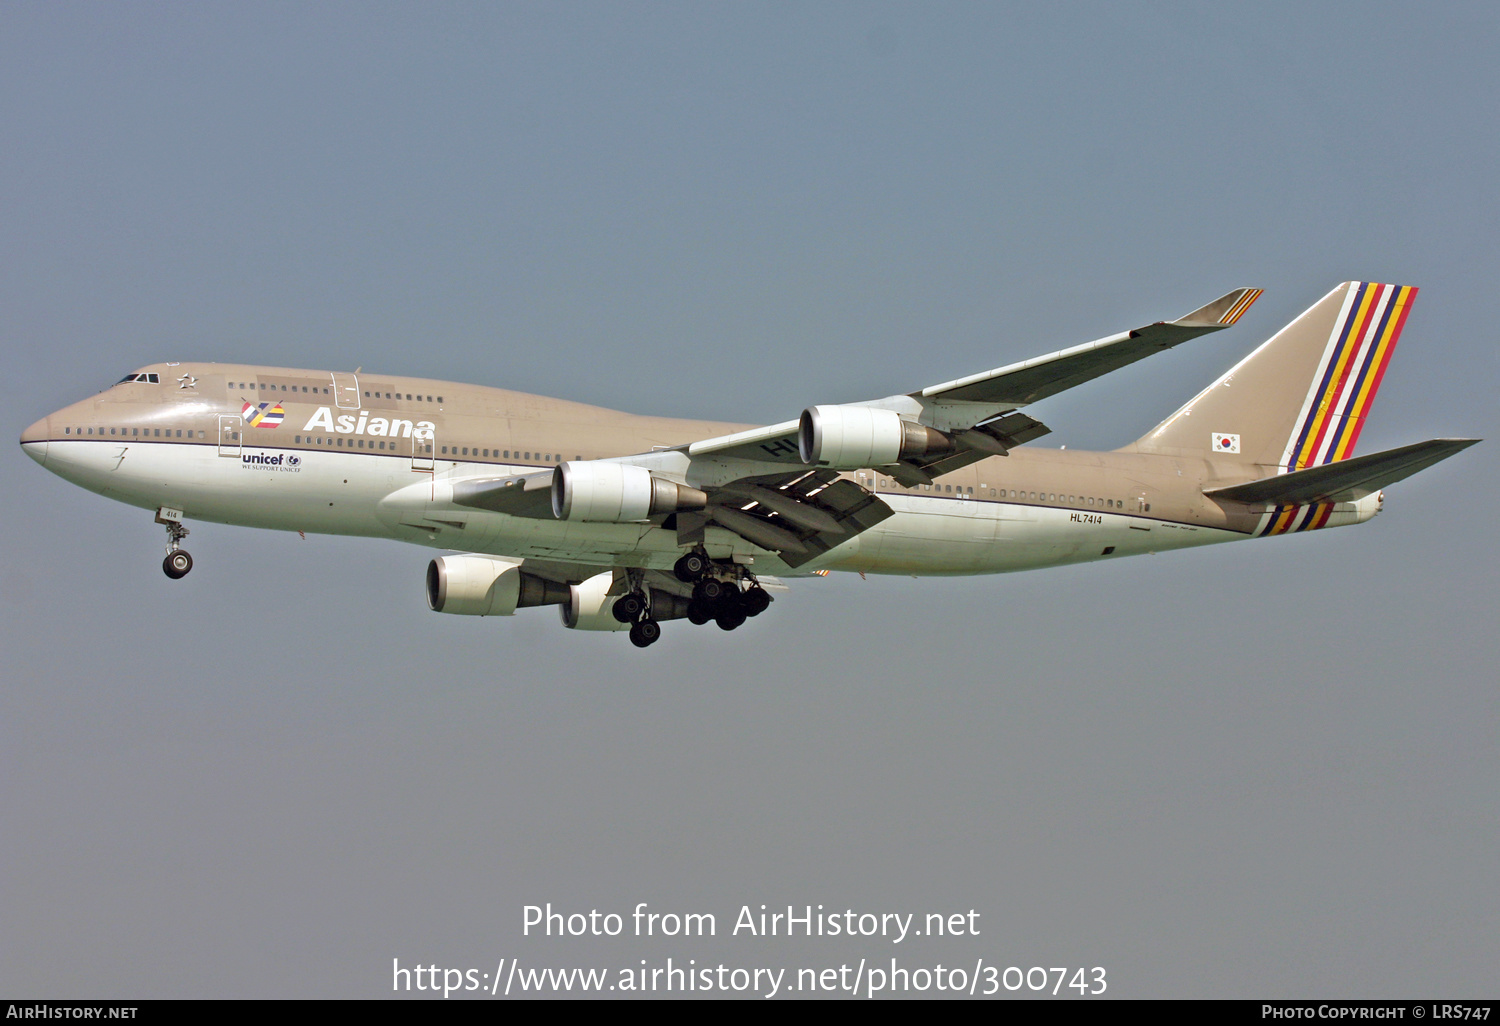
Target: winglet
x,y
1225,310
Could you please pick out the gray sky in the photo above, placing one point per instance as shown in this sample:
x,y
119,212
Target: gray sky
x,y
1260,769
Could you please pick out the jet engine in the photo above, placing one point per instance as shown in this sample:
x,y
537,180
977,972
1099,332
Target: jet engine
x,y
617,493
850,437
483,586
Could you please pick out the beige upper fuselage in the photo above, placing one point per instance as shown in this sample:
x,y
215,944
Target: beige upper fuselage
x,y
475,428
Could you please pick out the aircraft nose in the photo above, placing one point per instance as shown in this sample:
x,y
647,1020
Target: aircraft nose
x,y
34,441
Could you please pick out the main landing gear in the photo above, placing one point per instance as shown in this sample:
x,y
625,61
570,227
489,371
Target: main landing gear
x,y
178,562
632,608
724,593
717,592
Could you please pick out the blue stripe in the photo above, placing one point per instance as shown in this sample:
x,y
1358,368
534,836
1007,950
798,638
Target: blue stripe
x,y
1312,414
1364,370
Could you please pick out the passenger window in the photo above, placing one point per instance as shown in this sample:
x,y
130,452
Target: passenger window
x,y
440,398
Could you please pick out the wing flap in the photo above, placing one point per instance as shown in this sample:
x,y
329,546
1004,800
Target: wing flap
x,y
800,516
1347,480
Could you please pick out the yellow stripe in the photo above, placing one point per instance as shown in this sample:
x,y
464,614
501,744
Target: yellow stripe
x,y
1351,346
1357,407
1238,309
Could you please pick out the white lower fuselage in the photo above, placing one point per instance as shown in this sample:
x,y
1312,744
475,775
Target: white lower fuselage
x,y
387,496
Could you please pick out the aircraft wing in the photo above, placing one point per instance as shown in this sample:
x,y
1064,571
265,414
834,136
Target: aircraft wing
x,y
977,400
767,486
1019,384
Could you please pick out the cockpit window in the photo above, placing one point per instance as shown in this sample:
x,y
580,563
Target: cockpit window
x,y
154,379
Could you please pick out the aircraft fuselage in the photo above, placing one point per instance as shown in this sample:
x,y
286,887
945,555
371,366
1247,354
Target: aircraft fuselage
x,y
377,455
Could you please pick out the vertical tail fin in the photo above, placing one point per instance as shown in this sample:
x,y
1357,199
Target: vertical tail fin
x,y
1300,400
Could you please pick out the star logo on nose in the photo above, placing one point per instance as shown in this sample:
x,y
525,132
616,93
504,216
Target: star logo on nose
x,y
187,381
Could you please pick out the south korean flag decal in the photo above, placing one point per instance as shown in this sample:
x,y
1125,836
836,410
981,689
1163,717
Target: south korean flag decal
x,y
1226,443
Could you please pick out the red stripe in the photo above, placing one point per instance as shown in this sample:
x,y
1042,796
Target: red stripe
x,y
1351,347
1359,424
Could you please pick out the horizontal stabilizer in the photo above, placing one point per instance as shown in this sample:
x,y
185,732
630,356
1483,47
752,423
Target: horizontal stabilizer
x,y
1347,480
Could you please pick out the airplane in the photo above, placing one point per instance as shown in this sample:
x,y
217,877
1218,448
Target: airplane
x,y
627,521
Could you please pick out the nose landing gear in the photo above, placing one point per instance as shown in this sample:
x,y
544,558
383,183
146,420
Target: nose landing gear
x,y
178,562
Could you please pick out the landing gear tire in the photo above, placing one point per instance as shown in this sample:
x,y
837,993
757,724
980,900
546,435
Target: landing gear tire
x,y
644,633
628,608
177,564
755,601
709,592
691,567
731,618
697,614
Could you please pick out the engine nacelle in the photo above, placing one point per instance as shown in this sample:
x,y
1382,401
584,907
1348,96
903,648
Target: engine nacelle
x,y
850,437
590,607
484,586
616,493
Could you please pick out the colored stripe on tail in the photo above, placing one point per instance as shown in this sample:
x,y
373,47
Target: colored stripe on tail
x,y
1354,361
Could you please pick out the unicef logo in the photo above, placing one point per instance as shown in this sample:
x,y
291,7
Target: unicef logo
x,y
294,461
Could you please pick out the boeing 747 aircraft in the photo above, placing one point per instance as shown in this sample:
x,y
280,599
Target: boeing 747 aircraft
x,y
625,521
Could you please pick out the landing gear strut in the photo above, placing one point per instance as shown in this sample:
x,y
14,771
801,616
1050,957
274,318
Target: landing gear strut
x,y
178,562
634,608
